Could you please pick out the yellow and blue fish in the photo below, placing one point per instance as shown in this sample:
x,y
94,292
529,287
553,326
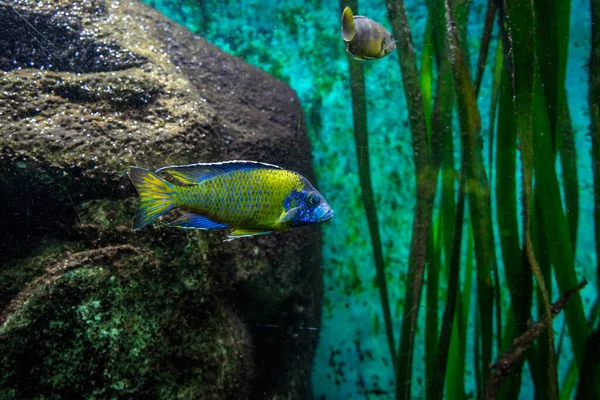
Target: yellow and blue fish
x,y
251,197
365,39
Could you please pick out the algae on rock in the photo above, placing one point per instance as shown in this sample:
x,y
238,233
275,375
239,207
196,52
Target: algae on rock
x,y
89,307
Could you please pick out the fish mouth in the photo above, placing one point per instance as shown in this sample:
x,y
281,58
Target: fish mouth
x,y
327,216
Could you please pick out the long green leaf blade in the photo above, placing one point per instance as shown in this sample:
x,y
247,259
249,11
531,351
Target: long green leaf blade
x,y
477,187
359,113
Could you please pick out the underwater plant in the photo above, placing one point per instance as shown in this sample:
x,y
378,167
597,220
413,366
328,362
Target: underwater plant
x,y
533,122
488,160
498,190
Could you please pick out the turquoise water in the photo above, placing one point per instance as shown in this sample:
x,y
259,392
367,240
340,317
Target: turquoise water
x,y
300,44
304,50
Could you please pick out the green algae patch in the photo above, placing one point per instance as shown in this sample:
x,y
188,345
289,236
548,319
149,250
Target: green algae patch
x,y
105,323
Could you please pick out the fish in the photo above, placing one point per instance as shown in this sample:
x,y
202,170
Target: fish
x,y
253,198
365,39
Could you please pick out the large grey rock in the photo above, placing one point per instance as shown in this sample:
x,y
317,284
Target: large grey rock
x,y
90,308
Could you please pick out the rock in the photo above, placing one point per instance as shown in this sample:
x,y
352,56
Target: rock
x,y
88,88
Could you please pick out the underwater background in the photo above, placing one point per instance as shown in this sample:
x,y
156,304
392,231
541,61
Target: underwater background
x,y
481,164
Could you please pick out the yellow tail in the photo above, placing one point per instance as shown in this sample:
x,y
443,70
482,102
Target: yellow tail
x,y
155,196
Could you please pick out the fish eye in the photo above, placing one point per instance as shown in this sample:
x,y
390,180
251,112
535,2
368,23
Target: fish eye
x,y
313,200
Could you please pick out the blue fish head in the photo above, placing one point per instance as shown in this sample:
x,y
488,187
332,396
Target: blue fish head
x,y
311,207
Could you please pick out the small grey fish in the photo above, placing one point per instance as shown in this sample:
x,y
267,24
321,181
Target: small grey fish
x,y
365,39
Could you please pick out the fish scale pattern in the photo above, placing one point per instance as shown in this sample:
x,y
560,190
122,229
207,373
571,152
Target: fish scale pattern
x,y
246,198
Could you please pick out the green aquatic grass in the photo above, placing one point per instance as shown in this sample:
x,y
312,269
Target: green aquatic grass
x,y
359,112
426,77
539,127
444,151
539,37
589,383
517,273
568,162
426,173
486,37
519,35
477,187
569,385
431,318
464,313
450,350
545,359
594,102
523,112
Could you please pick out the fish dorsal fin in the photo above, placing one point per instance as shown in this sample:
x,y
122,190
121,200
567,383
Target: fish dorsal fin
x,y
348,29
193,174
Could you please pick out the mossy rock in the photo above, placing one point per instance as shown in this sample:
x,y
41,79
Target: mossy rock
x,y
110,323
90,308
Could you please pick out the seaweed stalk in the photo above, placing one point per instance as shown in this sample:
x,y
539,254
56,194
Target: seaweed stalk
x,y
518,34
431,318
589,383
517,273
552,42
570,381
451,302
485,42
442,126
521,343
426,177
426,77
544,350
568,162
594,101
361,139
463,313
477,186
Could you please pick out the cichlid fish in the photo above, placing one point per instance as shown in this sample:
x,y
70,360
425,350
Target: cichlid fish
x,y
251,197
365,39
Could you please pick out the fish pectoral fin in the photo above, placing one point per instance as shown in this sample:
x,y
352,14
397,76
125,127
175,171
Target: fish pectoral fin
x,y
288,216
348,29
196,221
239,233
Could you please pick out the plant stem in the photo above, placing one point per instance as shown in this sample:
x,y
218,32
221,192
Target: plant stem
x,y
426,177
453,288
518,35
477,186
359,108
521,343
485,42
594,101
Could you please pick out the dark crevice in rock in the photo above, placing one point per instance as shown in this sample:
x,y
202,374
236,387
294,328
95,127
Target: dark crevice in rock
x,y
123,91
56,42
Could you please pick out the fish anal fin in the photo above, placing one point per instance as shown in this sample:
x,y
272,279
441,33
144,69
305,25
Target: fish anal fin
x,y
239,233
196,221
348,28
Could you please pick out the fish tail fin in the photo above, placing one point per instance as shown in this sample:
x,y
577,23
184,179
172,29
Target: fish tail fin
x,y
155,196
348,29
